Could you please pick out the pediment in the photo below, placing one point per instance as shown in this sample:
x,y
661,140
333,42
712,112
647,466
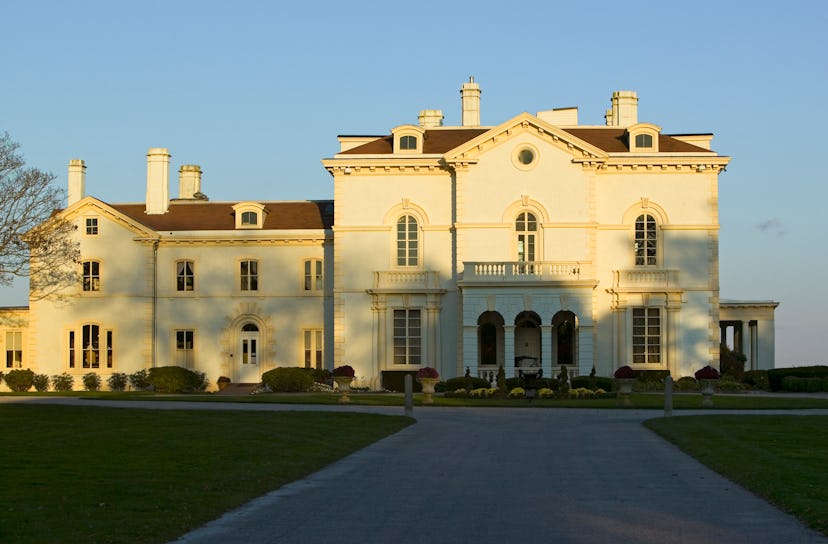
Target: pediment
x,y
89,204
470,152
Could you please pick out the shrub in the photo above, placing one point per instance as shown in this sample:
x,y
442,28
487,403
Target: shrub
x,y
91,381
463,382
500,380
731,363
63,382
288,379
41,382
652,378
756,379
517,393
545,393
686,383
796,384
19,380
321,375
592,382
139,380
484,392
117,381
728,384
176,379
776,375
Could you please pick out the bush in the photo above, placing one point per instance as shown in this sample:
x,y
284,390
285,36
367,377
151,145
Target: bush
x,y
686,383
321,375
776,375
117,381
592,382
517,393
731,363
652,377
756,379
728,384
288,379
176,379
463,382
19,380
796,384
41,382
91,381
63,382
139,380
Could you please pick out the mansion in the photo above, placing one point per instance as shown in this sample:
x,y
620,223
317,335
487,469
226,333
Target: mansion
x,y
536,242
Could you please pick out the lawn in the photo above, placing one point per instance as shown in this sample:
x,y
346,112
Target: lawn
x,y
89,474
778,457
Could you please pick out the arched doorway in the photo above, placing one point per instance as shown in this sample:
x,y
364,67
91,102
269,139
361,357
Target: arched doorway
x,y
565,339
490,348
527,339
248,354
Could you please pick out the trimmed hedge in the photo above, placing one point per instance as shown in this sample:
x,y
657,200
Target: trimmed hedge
x,y
20,380
776,375
394,380
462,382
289,379
756,379
804,385
176,379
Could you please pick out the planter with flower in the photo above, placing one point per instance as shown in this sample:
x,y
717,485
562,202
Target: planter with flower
x,y
428,378
343,376
707,378
624,380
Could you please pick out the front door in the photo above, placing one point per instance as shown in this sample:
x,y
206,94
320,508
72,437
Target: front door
x,y
249,354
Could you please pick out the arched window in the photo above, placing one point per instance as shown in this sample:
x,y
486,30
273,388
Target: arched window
x,y
526,229
646,241
643,140
249,218
408,253
408,142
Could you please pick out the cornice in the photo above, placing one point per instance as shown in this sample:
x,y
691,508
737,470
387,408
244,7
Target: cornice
x,y
384,165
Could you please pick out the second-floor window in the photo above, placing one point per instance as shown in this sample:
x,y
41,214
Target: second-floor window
x,y
526,230
408,247
646,241
185,276
91,226
313,275
249,275
91,276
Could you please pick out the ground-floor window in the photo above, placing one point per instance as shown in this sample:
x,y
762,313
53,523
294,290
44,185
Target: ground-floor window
x,y
92,345
312,348
184,352
646,340
407,337
14,349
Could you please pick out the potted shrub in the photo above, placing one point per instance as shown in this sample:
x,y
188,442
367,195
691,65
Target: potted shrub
x,y
624,380
707,378
428,378
343,376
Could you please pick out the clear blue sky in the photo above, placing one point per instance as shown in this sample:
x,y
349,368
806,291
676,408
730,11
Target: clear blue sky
x,y
256,93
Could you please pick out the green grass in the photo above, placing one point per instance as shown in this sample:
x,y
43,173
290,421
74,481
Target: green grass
x,y
780,458
89,474
639,400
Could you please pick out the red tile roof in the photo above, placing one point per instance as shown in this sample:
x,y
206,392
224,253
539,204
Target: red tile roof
x,y
301,215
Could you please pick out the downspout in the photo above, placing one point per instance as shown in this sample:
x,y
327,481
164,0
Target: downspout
x,y
154,302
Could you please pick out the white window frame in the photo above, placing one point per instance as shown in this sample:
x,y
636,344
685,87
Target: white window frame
x,y
91,275
91,226
647,343
645,242
182,275
14,349
407,241
184,347
313,275
407,336
313,346
249,279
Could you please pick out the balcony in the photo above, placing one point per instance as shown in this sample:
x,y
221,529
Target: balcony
x,y
646,278
406,280
522,272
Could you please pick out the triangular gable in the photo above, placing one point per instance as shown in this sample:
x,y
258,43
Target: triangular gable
x,y
85,204
471,150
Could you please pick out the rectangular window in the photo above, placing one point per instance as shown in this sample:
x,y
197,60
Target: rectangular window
x,y
185,275
407,337
313,275
91,346
91,276
108,349
71,347
249,275
646,340
184,351
91,226
14,349
313,348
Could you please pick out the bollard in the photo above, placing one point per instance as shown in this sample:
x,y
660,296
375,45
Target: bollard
x,y
409,395
668,396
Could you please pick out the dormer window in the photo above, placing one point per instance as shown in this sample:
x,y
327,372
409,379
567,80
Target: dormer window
x,y
249,219
408,142
643,137
644,140
249,215
408,139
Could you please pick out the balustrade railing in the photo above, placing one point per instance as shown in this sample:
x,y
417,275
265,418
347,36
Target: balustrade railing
x,y
522,271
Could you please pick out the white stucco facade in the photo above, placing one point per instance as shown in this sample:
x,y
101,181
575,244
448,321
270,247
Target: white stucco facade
x,y
534,242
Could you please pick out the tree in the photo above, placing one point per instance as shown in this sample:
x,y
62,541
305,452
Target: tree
x,y
35,240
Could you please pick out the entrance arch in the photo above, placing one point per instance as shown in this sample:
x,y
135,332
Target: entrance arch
x,y
490,339
565,339
248,353
527,339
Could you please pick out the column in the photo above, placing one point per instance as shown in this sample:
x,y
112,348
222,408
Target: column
x,y
754,345
509,348
738,345
380,316
547,355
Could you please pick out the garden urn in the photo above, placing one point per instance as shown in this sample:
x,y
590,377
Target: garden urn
x,y
344,383
428,389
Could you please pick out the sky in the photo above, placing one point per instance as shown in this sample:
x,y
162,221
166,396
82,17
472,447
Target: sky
x,y
257,92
